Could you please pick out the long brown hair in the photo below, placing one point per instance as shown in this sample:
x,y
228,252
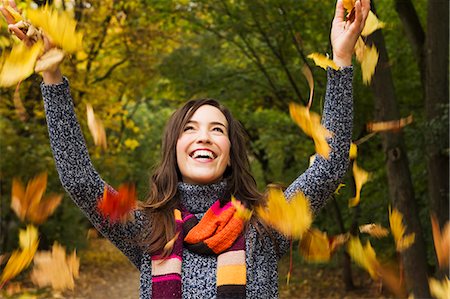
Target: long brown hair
x,y
163,197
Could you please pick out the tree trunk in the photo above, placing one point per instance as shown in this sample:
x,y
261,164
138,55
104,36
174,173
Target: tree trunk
x,y
399,178
436,103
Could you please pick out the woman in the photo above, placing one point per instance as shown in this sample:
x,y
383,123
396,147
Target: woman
x,y
204,164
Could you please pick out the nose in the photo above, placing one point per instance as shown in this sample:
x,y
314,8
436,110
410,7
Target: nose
x,y
203,137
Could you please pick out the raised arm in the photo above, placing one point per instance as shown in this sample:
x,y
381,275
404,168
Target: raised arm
x,y
321,179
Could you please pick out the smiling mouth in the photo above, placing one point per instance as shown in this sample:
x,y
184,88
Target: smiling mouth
x,y
203,154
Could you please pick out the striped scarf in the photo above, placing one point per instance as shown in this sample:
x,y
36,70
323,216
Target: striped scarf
x,y
219,232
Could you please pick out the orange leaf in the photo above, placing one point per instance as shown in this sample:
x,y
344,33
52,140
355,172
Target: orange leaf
x,y
116,206
441,242
96,128
393,125
55,269
309,122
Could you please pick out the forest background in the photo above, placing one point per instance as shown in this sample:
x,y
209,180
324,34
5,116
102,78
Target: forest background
x,y
142,59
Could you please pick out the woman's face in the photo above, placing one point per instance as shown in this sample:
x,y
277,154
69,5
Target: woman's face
x,y
203,148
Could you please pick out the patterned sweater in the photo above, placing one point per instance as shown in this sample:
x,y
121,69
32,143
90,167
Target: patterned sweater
x,y
85,186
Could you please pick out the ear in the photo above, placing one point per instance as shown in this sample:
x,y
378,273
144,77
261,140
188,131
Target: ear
x,y
229,162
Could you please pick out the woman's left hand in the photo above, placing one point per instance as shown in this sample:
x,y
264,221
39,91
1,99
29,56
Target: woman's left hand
x,y
345,31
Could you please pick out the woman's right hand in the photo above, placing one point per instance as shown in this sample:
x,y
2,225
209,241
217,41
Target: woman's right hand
x,y
50,76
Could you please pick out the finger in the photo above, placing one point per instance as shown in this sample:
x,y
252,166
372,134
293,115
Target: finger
x,y
9,18
12,3
339,12
355,26
365,9
17,32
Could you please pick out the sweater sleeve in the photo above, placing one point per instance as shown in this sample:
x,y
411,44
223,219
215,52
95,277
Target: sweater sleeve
x,y
76,172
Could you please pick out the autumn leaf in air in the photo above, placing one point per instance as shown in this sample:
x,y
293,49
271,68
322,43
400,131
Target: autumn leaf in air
x,y
441,242
117,205
55,269
96,128
323,61
29,203
19,63
392,125
398,230
361,177
439,289
290,218
21,259
309,122
372,24
241,211
353,153
363,255
316,246
374,230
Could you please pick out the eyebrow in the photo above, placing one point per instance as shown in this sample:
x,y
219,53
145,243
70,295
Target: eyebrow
x,y
214,123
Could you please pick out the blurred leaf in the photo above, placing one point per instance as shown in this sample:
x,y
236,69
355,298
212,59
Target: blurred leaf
x,y
361,177
117,205
372,24
364,256
96,127
398,230
323,61
374,230
393,125
441,242
241,211
440,289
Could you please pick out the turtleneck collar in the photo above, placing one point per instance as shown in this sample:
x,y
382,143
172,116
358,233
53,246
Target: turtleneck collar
x,y
199,198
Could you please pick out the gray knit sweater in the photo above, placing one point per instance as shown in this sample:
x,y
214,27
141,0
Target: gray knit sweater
x,y
85,186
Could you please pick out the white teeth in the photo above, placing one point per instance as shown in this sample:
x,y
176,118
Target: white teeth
x,y
203,154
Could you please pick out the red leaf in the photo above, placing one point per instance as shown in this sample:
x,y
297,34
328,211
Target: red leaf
x,y
116,206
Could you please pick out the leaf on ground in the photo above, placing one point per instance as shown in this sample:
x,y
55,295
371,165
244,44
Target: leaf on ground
x,y
55,269
21,259
361,177
96,128
323,61
291,218
392,125
398,230
60,27
19,63
441,242
375,230
117,205
309,122
28,203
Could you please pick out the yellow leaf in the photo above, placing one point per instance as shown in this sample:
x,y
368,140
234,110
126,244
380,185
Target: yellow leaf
x,y
315,246
21,259
323,61
17,17
361,177
441,242
60,27
440,289
19,64
363,256
374,230
309,122
241,211
290,218
55,269
353,153
369,63
372,24
392,125
309,77
398,230
348,4
96,128
338,189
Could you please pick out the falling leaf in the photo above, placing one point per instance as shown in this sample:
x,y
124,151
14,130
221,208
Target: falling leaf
x,y
28,203
369,63
323,61
359,49
309,122
441,242
402,241
49,61
315,246
117,205
309,77
363,256
169,245
374,230
19,64
96,128
60,27
353,153
17,16
361,177
393,125
338,189
348,4
372,24
439,289
55,269
241,211
290,218
21,259
20,108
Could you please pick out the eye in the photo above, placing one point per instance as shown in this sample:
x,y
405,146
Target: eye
x,y
188,128
218,129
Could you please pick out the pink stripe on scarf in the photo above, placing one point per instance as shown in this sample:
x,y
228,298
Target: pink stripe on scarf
x,y
216,209
166,277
